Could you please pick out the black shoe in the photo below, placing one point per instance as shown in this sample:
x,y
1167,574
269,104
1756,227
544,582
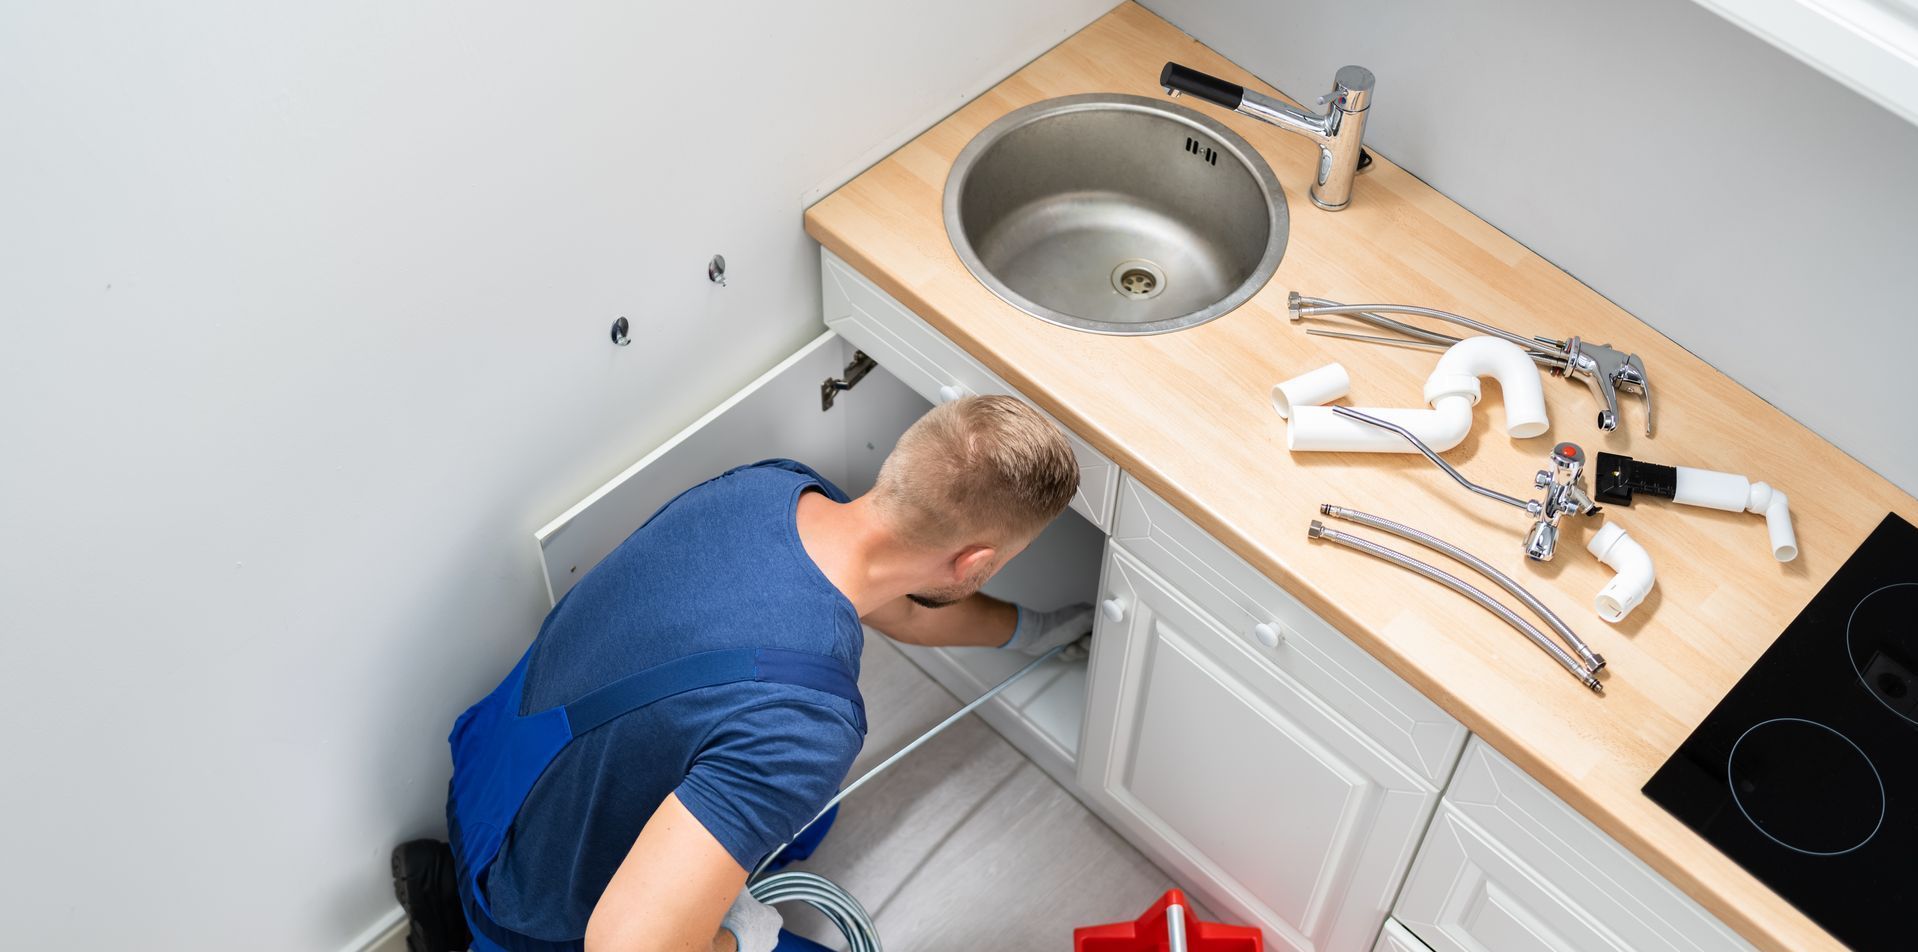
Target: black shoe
x,y
427,886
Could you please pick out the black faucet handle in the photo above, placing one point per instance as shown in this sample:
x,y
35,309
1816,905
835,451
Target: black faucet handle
x,y
1212,89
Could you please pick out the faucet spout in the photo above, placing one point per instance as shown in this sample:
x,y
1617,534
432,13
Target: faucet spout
x,y
1339,132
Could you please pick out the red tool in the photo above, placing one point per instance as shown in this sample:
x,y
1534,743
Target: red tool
x,y
1167,927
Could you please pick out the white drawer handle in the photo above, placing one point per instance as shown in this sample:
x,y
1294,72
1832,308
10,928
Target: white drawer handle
x,y
949,393
1268,635
1114,609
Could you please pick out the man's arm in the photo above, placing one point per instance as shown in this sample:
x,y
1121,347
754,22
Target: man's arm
x,y
670,892
979,621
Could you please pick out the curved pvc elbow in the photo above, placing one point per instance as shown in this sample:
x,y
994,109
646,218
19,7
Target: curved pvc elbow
x,y
1320,429
1777,510
1633,564
1452,390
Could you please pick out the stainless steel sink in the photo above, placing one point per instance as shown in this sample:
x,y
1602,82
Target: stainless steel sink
x,y
1116,214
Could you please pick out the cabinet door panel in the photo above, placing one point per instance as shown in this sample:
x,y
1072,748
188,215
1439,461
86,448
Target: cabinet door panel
x,y
775,415
1343,675
1258,796
1469,894
1508,865
939,370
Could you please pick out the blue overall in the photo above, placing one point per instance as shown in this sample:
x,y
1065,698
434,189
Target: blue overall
x,y
499,754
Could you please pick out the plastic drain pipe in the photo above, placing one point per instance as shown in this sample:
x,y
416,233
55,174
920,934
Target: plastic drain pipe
x,y
1622,477
1452,390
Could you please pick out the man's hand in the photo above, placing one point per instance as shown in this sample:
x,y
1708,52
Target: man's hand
x,y
671,892
754,925
1040,632
983,622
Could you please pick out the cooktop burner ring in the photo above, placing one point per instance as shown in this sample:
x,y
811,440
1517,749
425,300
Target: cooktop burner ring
x,y
1896,677
1731,781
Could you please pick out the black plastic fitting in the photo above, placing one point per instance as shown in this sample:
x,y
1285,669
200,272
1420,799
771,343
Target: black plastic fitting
x,y
1618,477
1210,88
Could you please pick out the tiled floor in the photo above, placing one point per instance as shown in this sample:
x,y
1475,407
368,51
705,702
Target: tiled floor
x,y
965,844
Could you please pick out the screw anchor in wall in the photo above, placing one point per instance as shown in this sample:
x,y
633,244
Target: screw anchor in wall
x,y
620,332
716,270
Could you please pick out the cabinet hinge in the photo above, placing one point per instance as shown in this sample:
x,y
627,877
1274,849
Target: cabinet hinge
x,y
855,372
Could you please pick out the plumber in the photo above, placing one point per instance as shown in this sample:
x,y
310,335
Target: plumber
x,y
691,703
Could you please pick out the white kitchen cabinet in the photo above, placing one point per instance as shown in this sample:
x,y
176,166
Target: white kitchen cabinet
x,y
1508,867
1282,633
780,414
1225,769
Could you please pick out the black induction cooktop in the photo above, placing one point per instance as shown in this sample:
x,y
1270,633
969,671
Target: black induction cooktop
x,y
1806,774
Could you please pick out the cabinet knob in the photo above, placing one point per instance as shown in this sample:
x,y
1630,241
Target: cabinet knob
x,y
1114,609
1267,634
949,393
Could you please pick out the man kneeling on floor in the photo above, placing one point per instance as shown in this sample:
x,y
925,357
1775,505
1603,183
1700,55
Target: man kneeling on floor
x,y
691,703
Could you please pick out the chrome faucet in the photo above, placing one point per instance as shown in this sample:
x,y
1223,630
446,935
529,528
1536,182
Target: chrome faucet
x,y
1339,132
1566,493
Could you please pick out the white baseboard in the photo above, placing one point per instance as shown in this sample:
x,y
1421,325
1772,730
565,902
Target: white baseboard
x,y
387,934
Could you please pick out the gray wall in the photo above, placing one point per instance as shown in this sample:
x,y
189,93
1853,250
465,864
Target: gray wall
x,y
1748,207
303,331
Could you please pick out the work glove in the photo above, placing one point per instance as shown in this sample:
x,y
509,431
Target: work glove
x,y
1040,632
754,925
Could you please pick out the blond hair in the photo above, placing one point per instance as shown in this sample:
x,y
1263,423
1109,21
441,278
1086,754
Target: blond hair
x,y
977,470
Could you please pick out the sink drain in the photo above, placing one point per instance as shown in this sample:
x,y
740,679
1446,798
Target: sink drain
x,y
1138,279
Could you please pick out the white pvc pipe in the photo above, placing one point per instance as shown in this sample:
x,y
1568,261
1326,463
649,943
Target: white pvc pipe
x,y
1777,510
1734,493
1319,429
1452,390
1310,389
1633,564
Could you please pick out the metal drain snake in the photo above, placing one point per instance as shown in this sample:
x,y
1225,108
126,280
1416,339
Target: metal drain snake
x,y
823,894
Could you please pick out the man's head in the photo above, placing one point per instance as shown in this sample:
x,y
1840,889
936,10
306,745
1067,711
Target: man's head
x,y
971,483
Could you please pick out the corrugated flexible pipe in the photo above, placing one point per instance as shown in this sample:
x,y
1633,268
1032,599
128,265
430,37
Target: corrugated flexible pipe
x,y
1318,530
1593,661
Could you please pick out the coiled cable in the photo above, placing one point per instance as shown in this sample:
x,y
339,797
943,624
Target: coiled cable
x,y
823,894
836,904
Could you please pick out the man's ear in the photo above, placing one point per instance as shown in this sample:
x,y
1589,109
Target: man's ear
x,y
971,561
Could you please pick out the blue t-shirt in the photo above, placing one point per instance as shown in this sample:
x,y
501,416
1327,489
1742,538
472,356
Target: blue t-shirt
x,y
721,566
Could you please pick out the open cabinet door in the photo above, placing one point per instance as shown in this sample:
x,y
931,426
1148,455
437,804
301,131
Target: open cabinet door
x,y
780,414
776,415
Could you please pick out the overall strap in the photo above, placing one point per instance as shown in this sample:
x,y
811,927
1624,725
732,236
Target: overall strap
x,y
709,668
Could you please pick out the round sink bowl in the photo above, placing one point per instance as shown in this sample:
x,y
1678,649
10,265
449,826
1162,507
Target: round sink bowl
x,y
1116,214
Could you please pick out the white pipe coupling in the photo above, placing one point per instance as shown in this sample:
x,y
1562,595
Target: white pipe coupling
x,y
1452,390
1633,564
1310,389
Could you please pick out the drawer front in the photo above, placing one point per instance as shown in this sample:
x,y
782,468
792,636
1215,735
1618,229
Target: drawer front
x,y
1379,703
938,370
1508,866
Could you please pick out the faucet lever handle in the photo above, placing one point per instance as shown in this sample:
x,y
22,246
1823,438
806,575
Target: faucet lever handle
x,y
1632,377
1351,89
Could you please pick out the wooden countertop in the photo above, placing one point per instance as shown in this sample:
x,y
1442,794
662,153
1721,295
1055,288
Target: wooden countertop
x,y
1188,414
